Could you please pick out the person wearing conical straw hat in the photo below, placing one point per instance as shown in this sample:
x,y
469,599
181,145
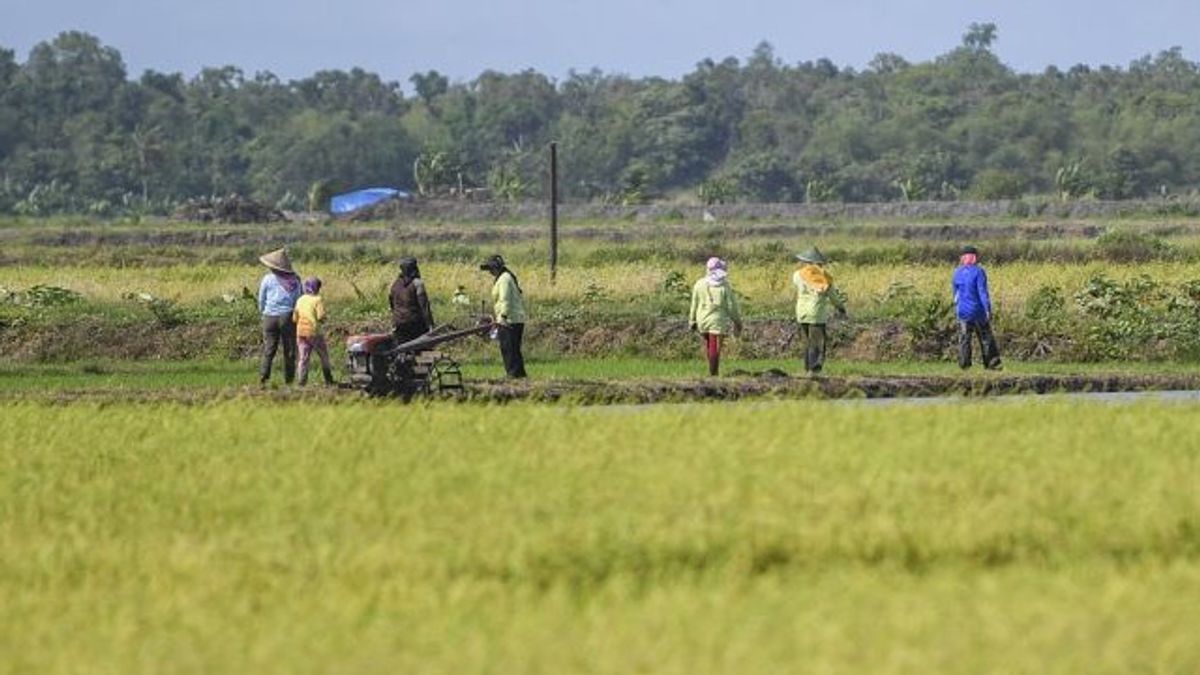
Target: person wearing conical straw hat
x,y
815,297
277,296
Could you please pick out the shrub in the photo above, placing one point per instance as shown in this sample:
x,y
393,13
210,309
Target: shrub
x,y
1125,246
996,184
718,191
928,320
40,296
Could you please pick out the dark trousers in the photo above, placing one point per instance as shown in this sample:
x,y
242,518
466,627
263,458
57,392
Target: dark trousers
x,y
406,332
276,330
814,346
509,338
987,344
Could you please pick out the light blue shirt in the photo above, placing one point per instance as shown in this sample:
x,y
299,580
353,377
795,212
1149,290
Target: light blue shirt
x,y
274,299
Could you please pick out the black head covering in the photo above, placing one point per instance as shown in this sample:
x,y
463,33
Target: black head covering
x,y
409,269
493,264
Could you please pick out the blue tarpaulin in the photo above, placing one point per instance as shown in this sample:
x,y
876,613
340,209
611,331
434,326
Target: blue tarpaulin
x,y
352,201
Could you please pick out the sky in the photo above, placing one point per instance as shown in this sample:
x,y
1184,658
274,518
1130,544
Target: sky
x,y
462,38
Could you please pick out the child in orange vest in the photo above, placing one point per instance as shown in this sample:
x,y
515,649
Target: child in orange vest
x,y
308,315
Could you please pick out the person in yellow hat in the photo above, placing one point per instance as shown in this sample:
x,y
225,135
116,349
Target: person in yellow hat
x,y
277,295
815,297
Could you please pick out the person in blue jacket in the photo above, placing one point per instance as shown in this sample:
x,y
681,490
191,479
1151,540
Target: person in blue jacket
x,y
974,311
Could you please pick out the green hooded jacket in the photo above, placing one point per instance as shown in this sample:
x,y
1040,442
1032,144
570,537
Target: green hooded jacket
x,y
509,305
714,308
815,294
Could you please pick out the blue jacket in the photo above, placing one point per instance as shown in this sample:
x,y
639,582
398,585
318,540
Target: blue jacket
x,y
274,299
971,293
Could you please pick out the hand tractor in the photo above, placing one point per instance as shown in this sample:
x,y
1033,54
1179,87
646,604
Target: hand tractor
x,y
381,366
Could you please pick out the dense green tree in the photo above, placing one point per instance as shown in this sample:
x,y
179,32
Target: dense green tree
x,y
76,133
429,85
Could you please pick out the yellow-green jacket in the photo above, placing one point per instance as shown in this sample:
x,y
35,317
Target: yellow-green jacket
x,y
815,294
508,305
714,308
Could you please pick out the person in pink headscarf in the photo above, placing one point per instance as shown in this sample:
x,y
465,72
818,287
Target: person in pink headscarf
x,y
714,313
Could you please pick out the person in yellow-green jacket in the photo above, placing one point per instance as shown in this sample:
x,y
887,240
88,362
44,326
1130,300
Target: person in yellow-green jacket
x,y
715,311
508,311
308,316
815,297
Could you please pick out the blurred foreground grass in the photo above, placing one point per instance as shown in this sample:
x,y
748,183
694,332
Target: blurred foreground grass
x,y
243,537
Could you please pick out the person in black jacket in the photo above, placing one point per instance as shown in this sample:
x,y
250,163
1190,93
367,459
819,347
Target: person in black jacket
x,y
411,315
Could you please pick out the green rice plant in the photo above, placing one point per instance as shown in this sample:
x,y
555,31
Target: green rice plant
x,y
259,537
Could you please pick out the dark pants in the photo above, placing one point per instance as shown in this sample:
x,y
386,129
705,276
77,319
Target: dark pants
x,y
814,346
509,338
406,332
277,329
987,344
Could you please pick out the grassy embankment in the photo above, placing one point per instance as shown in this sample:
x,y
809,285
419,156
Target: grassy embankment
x,y
296,538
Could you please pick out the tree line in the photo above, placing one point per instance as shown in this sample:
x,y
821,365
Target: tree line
x,y
78,135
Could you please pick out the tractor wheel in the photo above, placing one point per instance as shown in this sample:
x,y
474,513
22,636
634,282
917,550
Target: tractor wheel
x,y
445,376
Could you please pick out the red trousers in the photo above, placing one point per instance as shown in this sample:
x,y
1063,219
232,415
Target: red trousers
x,y
712,350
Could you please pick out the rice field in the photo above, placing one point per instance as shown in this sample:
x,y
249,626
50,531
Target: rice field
x,y
285,533
767,287
1033,537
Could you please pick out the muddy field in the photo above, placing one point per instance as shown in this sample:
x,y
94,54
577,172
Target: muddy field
x,y
779,385
770,385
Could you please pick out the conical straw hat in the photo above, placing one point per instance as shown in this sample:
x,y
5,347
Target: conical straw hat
x,y
812,255
277,260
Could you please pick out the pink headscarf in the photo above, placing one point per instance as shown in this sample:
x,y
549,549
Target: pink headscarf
x,y
717,271
968,259
289,280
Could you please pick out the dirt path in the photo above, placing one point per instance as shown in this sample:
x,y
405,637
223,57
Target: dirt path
x,y
772,385
768,386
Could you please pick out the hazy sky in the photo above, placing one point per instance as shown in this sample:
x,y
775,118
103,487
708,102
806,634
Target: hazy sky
x,y
294,38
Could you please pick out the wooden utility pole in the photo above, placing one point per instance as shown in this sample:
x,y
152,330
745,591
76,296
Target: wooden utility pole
x,y
553,212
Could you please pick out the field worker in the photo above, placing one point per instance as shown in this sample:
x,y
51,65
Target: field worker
x,y
509,314
411,315
277,296
714,312
460,298
974,311
309,316
815,296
